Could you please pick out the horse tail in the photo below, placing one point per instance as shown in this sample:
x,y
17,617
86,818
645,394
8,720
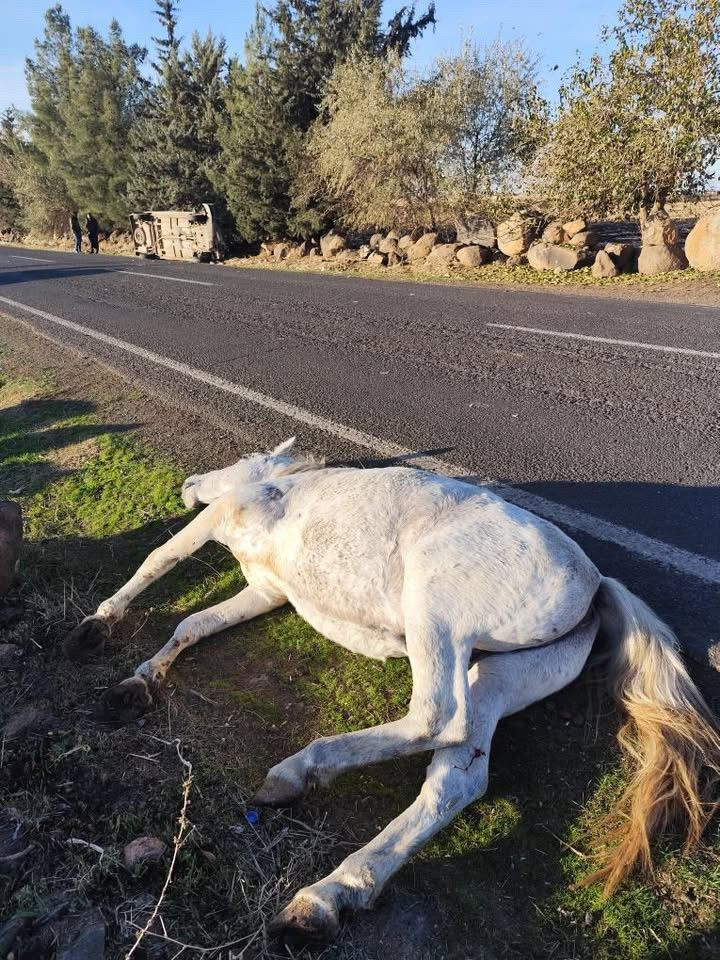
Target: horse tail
x,y
670,737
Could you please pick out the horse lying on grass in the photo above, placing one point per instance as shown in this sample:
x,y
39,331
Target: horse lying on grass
x,y
397,562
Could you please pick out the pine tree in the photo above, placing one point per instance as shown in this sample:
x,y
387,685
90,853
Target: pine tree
x,y
9,144
175,146
85,92
273,99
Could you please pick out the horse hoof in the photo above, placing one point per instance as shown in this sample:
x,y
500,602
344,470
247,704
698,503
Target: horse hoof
x,y
87,640
127,701
278,791
306,919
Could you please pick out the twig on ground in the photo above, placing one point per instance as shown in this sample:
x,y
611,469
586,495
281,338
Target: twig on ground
x,y
76,841
178,840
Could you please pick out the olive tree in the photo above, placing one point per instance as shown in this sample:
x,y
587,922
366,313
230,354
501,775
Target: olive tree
x,y
642,123
392,148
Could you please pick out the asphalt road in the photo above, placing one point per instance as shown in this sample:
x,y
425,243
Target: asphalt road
x,y
601,414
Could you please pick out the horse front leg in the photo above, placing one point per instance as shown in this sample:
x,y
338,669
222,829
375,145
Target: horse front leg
x,y
132,697
89,637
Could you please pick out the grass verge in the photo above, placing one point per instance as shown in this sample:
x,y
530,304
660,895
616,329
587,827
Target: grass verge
x,y
502,881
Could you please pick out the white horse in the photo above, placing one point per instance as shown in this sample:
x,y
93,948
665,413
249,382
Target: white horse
x,y
397,562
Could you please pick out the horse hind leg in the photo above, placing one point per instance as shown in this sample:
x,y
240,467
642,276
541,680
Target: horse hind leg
x,y
500,684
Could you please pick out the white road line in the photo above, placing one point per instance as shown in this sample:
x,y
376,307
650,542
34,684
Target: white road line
x,y
665,554
159,276
639,344
16,256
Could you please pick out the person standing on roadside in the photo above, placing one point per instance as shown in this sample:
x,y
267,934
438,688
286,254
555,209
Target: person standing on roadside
x,y
91,225
75,227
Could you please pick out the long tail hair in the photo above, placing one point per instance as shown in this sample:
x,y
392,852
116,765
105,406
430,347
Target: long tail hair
x,y
670,736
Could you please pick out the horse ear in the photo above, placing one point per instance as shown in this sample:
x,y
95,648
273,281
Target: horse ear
x,y
283,447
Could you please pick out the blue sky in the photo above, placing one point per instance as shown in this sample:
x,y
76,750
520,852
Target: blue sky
x,y
555,29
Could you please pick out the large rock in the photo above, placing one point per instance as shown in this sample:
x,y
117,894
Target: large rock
x,y
11,532
422,247
473,256
554,233
702,247
407,240
475,231
442,254
375,240
377,259
551,256
661,258
657,229
604,265
331,244
515,234
281,251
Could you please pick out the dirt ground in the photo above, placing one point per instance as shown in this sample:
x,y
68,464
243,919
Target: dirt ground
x,y
97,464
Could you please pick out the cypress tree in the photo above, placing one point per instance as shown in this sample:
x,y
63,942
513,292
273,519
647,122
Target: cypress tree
x,y
84,92
175,147
274,97
9,143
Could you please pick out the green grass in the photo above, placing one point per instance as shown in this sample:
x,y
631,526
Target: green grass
x,y
504,878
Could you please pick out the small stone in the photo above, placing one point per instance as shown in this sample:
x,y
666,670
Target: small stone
x,y
554,233
32,719
657,229
388,244
584,238
81,937
574,226
331,244
143,850
347,256
604,266
515,234
623,255
442,254
422,247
